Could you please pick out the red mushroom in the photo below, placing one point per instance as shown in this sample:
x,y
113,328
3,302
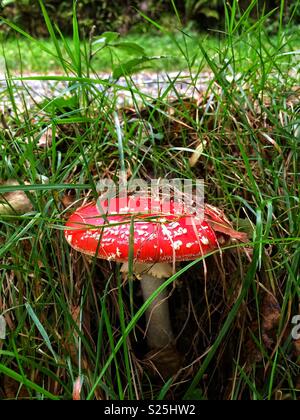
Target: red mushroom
x,y
160,238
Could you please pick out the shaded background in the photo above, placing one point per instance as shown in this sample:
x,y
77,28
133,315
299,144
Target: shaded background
x,y
123,15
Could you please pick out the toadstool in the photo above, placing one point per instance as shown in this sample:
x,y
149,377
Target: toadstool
x,y
160,239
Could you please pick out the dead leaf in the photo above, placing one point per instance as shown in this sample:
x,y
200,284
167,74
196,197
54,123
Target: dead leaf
x,y
197,153
68,198
15,201
13,389
2,328
297,350
219,222
271,313
163,362
46,138
252,353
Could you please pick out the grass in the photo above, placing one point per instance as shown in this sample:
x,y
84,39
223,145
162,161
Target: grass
x,y
71,320
33,56
36,61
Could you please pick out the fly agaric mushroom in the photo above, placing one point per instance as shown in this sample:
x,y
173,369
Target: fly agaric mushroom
x,y
159,240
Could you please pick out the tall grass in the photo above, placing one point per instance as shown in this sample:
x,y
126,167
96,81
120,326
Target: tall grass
x,y
74,326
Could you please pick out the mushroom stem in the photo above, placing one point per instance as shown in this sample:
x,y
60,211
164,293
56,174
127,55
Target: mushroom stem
x,y
158,330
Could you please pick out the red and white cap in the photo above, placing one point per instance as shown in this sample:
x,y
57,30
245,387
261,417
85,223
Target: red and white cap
x,y
104,230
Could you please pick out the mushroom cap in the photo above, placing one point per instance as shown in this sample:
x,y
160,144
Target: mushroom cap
x,y
104,230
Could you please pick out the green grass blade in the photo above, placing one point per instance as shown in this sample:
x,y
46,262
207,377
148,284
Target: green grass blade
x,y
41,330
26,382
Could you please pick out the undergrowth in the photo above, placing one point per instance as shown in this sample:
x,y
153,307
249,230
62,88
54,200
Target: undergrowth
x,y
74,327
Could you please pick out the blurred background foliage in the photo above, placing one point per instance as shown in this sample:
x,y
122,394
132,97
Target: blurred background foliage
x,y
123,15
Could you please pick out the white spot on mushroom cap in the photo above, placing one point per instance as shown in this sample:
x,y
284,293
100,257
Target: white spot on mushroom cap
x,y
69,238
96,236
154,236
177,245
181,231
113,231
204,240
168,234
174,225
106,240
86,235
